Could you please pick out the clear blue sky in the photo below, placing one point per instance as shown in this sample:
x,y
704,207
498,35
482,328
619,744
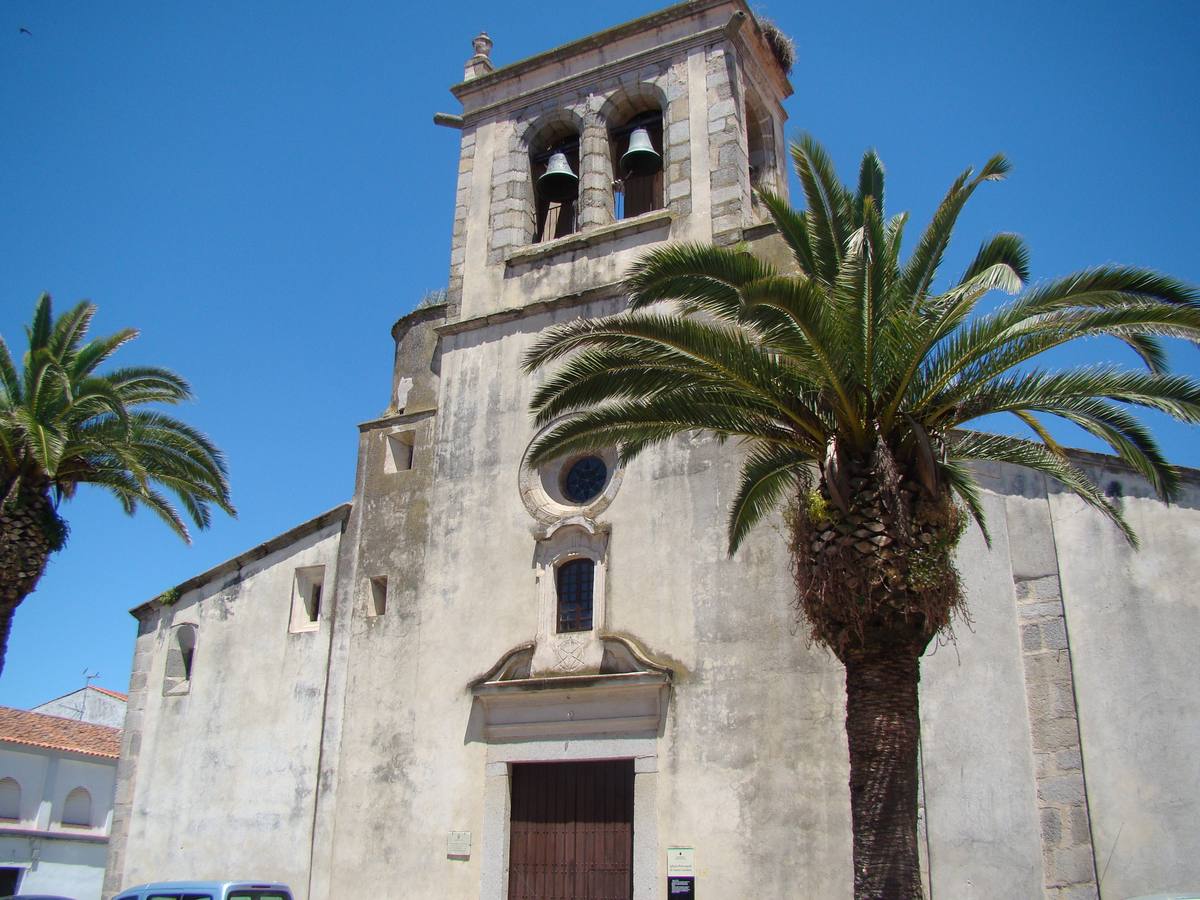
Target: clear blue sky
x,y
258,187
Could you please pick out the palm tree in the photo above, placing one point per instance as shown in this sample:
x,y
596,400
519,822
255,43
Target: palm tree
x,y
848,381
62,424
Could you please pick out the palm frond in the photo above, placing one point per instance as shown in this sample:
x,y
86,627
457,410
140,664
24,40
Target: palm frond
x,y
768,473
793,227
1001,448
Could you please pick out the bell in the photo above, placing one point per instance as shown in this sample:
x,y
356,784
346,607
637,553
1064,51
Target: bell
x,y
558,183
641,158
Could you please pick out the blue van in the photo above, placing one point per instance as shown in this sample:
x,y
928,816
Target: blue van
x,y
207,890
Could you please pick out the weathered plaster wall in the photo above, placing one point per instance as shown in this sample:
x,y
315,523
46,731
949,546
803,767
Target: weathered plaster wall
x,y
411,764
86,705
225,774
1133,620
1048,765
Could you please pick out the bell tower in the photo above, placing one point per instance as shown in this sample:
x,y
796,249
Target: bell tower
x,y
575,160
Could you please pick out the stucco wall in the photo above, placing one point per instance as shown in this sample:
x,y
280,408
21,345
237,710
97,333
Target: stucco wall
x,y
226,772
1134,620
57,858
340,759
86,705
64,868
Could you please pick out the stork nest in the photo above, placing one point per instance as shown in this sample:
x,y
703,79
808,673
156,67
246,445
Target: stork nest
x,y
783,48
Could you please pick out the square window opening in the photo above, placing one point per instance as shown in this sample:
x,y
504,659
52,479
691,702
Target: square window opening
x,y
400,449
306,598
377,599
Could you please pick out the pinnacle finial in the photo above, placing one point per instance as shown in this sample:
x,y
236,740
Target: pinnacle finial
x,y
480,63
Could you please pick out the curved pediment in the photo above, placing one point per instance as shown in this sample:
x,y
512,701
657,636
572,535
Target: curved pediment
x,y
629,695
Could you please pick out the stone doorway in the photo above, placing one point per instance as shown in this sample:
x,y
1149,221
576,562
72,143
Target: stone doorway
x,y
571,831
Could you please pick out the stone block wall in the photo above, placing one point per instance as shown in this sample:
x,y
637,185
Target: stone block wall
x,y
707,86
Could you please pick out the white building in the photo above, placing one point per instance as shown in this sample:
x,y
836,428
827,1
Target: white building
x,y
56,794
386,700
97,705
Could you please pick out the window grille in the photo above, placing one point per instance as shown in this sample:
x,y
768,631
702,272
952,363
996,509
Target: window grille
x,y
575,580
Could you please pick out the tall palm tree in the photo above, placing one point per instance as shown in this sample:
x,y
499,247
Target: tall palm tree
x,y
848,379
63,424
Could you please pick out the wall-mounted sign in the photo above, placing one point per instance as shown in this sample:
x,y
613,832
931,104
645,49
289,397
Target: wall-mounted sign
x,y
681,873
458,845
681,861
681,888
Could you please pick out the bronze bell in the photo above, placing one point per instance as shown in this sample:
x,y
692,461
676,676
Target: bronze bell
x,y
558,183
641,158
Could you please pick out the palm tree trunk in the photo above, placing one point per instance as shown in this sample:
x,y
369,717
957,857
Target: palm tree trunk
x,y
882,729
25,548
6,617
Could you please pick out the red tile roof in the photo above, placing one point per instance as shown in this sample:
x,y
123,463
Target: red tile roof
x,y
53,733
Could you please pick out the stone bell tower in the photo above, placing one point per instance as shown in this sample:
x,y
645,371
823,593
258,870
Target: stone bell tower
x,y
700,79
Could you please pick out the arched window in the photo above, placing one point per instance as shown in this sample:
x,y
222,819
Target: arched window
x,y
180,658
10,799
760,146
637,168
574,581
77,809
554,167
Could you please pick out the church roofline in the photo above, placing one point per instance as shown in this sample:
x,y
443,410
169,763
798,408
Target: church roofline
x,y
590,42
602,39
266,548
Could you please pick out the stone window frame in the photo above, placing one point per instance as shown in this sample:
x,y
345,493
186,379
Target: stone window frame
x,y
592,115
620,106
573,564
180,663
570,651
541,486
762,150
514,196
80,814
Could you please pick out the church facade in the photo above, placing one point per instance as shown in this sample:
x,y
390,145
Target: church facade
x,y
479,679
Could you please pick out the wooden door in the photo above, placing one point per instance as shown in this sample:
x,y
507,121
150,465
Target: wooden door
x,y
572,831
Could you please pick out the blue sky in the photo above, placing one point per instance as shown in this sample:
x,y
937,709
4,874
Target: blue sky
x,y
258,187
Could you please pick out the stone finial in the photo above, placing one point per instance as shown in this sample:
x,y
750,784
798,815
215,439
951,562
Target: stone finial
x,y
481,62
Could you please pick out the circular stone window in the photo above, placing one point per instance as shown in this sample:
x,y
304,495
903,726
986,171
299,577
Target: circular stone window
x,y
580,485
584,479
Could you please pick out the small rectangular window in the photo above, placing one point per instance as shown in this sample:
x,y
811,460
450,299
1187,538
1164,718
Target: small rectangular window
x,y
377,601
400,449
306,598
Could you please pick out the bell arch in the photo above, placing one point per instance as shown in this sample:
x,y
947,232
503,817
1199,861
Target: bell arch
x,y
552,143
635,117
761,147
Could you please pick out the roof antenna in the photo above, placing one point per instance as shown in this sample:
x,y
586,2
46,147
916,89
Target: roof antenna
x,y
88,678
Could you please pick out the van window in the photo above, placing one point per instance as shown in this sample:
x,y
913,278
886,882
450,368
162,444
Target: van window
x,y
244,894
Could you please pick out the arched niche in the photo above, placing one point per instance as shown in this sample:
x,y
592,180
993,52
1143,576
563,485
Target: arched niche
x,y
643,106
556,132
